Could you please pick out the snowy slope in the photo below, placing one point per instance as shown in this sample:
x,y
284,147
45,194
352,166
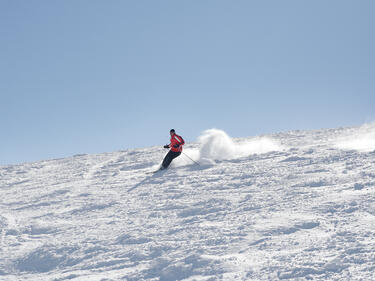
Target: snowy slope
x,y
298,205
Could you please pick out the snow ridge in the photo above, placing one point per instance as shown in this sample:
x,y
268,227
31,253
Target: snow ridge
x,y
297,205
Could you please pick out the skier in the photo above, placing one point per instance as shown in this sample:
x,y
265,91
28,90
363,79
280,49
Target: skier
x,y
176,148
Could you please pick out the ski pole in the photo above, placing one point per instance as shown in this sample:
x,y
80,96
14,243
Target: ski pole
x,y
190,158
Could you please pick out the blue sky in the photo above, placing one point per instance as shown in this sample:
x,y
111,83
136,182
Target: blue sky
x,y
98,76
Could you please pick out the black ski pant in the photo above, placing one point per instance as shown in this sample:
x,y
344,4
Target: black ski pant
x,y
169,157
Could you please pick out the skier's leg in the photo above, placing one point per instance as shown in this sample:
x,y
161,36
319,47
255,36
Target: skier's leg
x,y
176,154
169,157
167,160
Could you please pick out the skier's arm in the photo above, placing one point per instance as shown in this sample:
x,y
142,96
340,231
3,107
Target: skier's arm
x,y
180,142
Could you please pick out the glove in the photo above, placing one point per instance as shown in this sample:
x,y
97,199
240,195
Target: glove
x,y
176,145
166,146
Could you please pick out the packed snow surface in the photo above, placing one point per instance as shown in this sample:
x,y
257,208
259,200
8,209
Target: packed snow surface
x,y
297,205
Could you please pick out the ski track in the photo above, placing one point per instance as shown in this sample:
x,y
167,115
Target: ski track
x,y
304,213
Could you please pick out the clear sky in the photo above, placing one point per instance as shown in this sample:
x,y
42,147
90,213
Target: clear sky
x,y
88,76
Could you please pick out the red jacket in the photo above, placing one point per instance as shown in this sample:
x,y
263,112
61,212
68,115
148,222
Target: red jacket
x,y
176,140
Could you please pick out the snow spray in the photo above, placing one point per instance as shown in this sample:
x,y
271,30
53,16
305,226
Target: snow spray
x,y
217,145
